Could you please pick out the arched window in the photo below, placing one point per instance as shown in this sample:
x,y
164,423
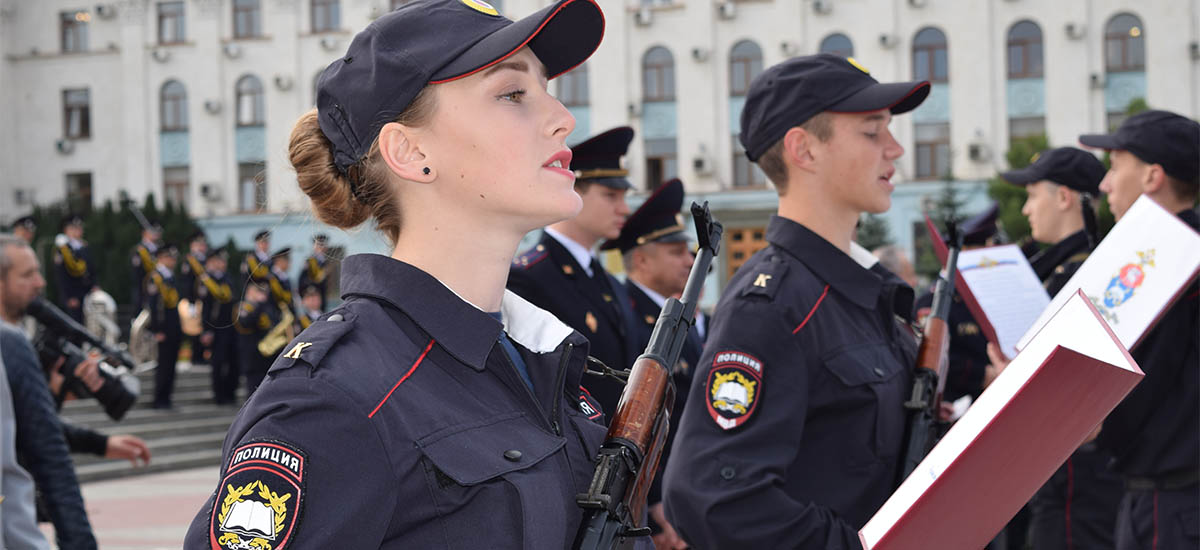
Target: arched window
x,y
929,56
573,87
745,62
837,44
173,102
250,101
658,75
1124,47
1025,50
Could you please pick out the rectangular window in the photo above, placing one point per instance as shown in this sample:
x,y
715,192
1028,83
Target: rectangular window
x,y
745,173
73,26
326,15
252,186
932,150
573,87
247,18
661,164
79,192
1026,127
175,185
170,23
77,114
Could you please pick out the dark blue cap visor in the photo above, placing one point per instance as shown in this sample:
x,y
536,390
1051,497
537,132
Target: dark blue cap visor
x,y
896,97
562,35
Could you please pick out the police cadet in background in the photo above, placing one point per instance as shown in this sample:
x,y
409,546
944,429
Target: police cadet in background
x,y
654,248
279,282
792,433
143,263
562,274
256,266
191,288
257,314
1077,507
72,270
162,298
220,336
1154,434
25,228
432,409
310,306
313,272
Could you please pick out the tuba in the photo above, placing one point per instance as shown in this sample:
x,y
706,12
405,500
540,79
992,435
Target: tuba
x,y
141,341
279,335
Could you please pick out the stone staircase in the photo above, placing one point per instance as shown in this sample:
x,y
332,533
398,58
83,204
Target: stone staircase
x,y
188,437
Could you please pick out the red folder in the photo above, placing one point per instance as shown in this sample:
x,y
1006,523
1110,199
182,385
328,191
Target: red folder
x,y
1040,409
960,285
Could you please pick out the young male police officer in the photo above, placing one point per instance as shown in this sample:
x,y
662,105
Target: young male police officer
x,y
658,259
792,433
1154,434
1077,507
563,276
143,263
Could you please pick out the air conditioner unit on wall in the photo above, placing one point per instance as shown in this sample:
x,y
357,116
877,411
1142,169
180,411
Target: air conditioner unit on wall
x,y
329,43
727,10
644,16
211,192
1075,31
822,7
64,146
106,11
232,51
160,55
888,41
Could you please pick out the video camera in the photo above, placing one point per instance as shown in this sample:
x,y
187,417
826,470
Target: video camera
x,y
61,336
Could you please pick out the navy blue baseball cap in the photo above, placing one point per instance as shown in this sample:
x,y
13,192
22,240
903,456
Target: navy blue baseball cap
x,y
977,229
788,94
432,42
1067,166
1157,137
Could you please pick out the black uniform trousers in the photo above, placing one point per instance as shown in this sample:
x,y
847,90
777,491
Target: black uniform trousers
x,y
226,365
164,373
1159,519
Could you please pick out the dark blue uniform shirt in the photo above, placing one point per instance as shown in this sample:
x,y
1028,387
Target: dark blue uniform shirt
x,y
398,421
792,432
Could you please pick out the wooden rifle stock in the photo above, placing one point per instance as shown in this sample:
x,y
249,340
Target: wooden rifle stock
x,y
929,376
615,502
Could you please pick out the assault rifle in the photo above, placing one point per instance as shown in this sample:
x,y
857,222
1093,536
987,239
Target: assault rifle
x,y
615,502
929,377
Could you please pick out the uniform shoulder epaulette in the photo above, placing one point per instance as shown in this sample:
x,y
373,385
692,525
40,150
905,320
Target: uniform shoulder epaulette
x,y
530,257
311,345
766,277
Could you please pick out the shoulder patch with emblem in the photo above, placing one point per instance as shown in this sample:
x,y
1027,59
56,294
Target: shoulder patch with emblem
x,y
311,345
531,257
259,501
765,278
588,405
733,388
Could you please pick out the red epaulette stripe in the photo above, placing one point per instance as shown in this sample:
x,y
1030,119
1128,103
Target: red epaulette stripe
x,y
814,310
403,378
587,392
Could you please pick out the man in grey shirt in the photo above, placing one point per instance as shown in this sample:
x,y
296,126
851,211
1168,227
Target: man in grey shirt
x,y
18,518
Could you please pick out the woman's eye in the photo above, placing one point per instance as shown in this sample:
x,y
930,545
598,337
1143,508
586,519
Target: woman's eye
x,y
514,96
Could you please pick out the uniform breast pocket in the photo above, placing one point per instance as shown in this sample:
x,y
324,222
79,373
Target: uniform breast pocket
x,y
872,382
497,484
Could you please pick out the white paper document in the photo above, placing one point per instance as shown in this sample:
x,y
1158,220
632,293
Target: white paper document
x,y
1146,260
1007,290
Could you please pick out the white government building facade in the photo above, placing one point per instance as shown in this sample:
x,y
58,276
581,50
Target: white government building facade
x,y
193,100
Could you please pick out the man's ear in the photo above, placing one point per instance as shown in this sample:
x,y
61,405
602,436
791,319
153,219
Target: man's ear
x,y
1064,198
402,152
798,149
1154,179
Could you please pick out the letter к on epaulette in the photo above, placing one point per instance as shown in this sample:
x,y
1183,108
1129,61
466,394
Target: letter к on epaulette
x,y
765,279
311,345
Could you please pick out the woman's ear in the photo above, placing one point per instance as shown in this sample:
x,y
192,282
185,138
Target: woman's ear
x,y
402,153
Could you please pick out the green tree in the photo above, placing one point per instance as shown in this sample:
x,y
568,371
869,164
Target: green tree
x,y
948,206
874,232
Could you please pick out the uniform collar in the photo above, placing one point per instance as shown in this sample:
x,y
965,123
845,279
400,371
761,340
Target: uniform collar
x,y
850,275
1046,261
463,330
162,270
655,297
582,255
1190,217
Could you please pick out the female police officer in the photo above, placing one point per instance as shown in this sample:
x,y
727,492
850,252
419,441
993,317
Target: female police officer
x,y
411,417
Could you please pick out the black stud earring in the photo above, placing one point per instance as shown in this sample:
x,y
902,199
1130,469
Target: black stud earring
x,y
425,170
